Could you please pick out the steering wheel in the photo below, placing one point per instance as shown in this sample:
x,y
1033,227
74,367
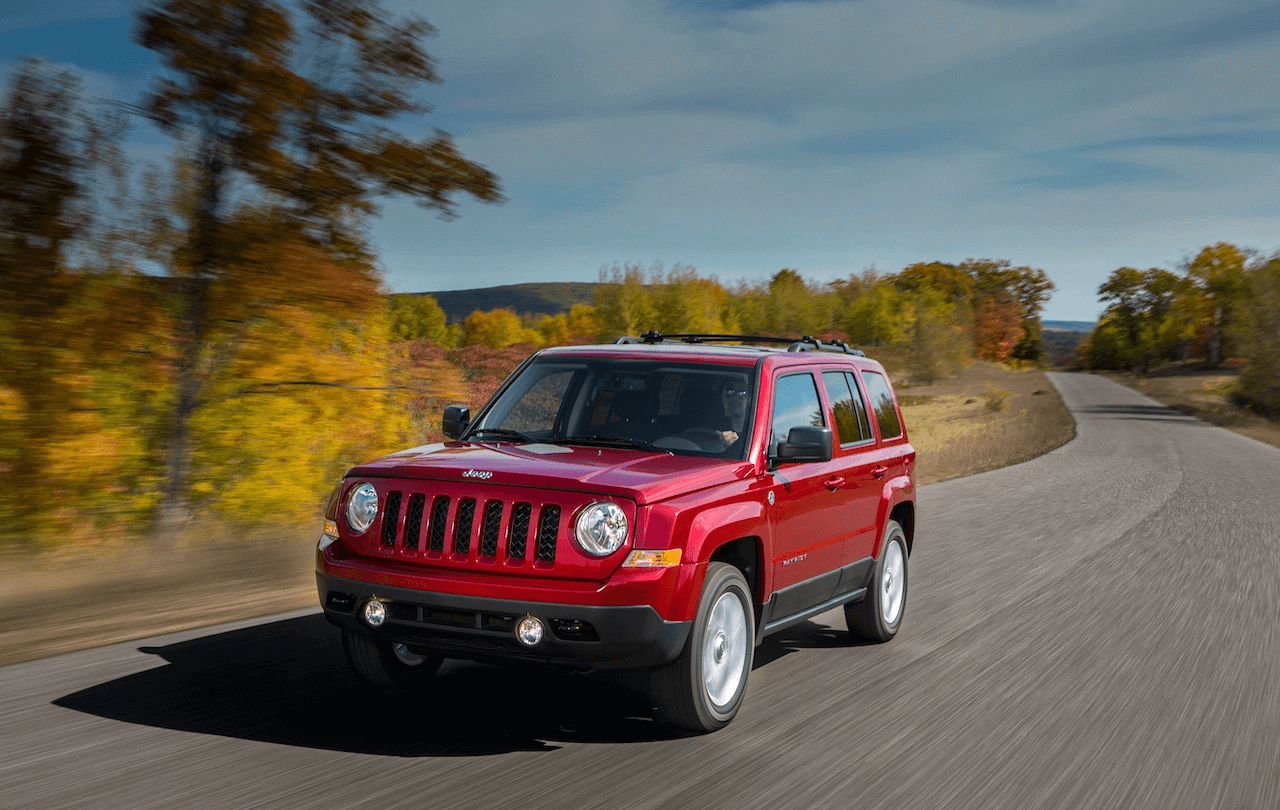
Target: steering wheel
x,y
709,440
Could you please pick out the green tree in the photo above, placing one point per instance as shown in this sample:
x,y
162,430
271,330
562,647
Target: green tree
x,y
880,318
1259,337
934,348
311,152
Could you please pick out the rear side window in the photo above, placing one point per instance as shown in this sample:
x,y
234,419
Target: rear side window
x,y
882,404
847,408
795,404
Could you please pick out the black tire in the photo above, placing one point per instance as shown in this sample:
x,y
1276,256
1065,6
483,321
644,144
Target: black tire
x,y
725,640
379,664
878,616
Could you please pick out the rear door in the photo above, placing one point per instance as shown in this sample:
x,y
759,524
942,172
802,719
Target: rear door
x,y
809,510
855,451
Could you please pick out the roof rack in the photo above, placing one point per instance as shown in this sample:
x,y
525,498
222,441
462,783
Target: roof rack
x,y
807,343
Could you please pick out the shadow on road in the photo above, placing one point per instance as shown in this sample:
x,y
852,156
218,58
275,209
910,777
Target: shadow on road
x,y
1147,413
807,635
286,682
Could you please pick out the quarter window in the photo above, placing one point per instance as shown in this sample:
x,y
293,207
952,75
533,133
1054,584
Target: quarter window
x,y
882,404
847,408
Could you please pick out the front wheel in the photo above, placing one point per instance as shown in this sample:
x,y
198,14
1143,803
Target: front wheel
x,y
702,689
387,665
878,616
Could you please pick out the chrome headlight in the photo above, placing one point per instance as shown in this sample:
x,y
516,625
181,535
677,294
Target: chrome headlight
x,y
362,507
601,529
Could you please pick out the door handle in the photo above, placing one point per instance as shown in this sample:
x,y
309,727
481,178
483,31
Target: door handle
x,y
879,472
834,482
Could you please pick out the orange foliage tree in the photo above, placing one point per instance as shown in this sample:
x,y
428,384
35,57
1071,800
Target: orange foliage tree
x,y
997,329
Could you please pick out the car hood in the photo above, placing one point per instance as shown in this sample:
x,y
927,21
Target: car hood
x,y
645,477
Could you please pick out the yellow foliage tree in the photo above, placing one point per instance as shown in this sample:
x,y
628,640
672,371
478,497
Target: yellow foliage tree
x,y
577,326
496,328
306,396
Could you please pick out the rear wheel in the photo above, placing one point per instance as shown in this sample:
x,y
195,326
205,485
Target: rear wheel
x,y
386,665
878,616
702,689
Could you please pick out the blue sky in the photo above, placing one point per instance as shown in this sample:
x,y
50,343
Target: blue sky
x,y
744,136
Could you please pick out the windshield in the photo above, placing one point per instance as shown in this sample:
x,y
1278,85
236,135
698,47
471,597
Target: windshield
x,y
689,409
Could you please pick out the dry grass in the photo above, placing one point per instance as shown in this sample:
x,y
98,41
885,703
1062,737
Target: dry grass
x,y
83,596
1204,394
90,595
983,418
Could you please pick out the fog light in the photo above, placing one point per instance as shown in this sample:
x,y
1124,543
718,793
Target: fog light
x,y
375,613
530,630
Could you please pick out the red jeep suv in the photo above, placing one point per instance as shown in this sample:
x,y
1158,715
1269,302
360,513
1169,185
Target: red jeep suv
x,y
658,503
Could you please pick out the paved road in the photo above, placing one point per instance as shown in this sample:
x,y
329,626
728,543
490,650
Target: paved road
x,y
1097,628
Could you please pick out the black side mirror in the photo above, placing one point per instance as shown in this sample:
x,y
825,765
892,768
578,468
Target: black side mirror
x,y
806,444
456,419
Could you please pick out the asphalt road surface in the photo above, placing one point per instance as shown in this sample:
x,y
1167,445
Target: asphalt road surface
x,y
1097,628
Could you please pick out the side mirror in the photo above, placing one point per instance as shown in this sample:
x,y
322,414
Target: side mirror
x,y
456,419
806,444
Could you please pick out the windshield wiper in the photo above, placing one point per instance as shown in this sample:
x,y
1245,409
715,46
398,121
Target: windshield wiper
x,y
500,433
607,441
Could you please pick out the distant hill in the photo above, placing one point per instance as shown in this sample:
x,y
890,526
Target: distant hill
x,y
1069,326
546,298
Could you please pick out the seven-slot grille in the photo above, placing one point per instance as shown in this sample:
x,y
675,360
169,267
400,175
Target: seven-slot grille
x,y
451,522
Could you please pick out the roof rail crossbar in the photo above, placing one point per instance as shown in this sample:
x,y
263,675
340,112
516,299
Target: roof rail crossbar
x,y
804,344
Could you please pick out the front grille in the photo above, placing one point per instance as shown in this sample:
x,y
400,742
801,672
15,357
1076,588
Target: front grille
x,y
473,530
518,533
489,529
413,521
439,516
462,526
390,517
548,531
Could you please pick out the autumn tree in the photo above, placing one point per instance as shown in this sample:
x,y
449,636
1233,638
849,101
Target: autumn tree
x,y
577,326
496,329
45,161
418,317
1218,271
997,281
622,301
305,148
997,329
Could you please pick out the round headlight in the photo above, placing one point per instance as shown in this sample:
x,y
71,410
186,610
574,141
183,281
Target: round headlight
x,y
601,529
362,507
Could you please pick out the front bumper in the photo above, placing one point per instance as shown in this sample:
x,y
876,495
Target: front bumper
x,y
483,628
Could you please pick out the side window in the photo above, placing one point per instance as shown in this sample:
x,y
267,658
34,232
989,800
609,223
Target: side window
x,y
795,404
847,408
859,405
882,404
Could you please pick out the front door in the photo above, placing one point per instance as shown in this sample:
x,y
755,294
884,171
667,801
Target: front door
x,y
809,510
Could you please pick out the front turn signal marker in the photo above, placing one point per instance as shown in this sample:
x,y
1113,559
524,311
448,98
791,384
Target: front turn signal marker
x,y
664,558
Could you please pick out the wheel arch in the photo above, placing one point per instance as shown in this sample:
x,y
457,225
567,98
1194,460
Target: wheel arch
x,y
745,554
905,514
